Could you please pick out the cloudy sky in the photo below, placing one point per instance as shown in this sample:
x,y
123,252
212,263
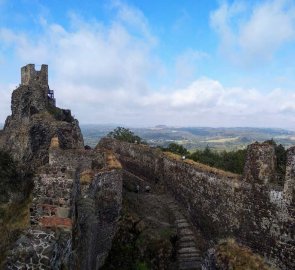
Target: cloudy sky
x,y
143,63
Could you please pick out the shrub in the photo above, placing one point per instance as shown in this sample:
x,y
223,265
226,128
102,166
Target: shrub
x,y
124,134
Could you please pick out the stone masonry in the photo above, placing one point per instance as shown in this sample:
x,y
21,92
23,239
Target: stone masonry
x,y
223,204
77,195
73,213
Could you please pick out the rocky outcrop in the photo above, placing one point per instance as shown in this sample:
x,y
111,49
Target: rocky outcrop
x,y
222,204
260,166
76,203
71,219
35,120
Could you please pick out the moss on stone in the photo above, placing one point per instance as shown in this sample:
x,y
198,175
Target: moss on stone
x,y
14,219
231,255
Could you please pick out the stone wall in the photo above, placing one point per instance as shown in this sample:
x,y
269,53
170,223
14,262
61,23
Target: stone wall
x,y
222,204
29,74
97,210
73,159
76,202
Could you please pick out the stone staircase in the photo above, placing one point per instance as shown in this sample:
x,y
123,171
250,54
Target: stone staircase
x,y
188,253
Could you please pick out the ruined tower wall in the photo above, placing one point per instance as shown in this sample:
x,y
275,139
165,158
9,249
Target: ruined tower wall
x,y
222,204
29,75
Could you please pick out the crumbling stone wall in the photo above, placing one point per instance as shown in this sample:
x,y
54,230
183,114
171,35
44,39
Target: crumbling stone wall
x,y
222,204
96,202
97,210
77,193
289,188
77,158
29,74
76,203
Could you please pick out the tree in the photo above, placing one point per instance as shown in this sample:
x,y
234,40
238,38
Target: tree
x,y
177,149
232,161
124,134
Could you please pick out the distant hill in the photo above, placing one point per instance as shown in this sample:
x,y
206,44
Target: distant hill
x,y
197,137
93,133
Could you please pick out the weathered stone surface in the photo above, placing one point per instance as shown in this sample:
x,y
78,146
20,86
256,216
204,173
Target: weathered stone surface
x,y
77,193
97,212
260,163
221,204
289,187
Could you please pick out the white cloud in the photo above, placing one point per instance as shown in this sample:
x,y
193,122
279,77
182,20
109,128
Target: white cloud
x,y
252,34
187,64
5,94
104,73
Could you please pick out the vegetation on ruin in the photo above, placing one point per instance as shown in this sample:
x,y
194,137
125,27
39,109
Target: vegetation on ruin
x,y
124,134
15,186
231,255
144,240
176,149
12,177
60,114
232,161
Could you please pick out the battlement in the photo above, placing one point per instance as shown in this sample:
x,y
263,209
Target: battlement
x,y
29,74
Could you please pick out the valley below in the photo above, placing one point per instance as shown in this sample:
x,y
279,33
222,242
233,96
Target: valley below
x,y
192,138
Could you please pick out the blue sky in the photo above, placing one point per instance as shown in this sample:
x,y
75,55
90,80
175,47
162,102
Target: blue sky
x,y
142,63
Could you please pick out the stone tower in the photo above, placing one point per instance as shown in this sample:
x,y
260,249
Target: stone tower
x,y
29,75
35,120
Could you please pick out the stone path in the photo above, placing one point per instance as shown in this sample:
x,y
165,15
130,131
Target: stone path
x,y
40,245
188,253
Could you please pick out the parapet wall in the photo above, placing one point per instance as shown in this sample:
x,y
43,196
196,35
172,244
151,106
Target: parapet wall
x,y
73,159
222,204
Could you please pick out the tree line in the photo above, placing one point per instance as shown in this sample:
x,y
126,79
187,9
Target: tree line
x,y
232,161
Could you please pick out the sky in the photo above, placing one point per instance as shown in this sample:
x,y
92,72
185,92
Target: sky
x,y
144,63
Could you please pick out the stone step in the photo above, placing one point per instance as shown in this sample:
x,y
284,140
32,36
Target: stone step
x,y
190,266
180,220
189,255
188,244
187,249
185,231
195,252
190,259
186,238
183,225
170,202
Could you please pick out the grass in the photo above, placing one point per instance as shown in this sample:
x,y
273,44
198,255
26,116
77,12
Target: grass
x,y
221,140
86,177
112,161
14,218
141,266
231,255
202,167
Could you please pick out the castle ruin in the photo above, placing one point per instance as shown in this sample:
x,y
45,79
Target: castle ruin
x,y
77,196
29,76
